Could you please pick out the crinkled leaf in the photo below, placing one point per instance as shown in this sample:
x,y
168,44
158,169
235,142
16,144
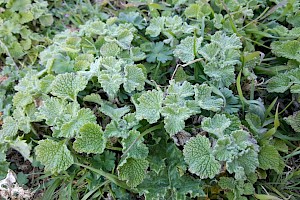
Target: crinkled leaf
x,y
110,64
180,89
22,147
205,100
294,121
139,150
254,123
45,83
21,99
46,20
116,129
187,49
52,110
15,5
198,155
174,117
136,54
148,105
197,11
167,180
71,128
90,139
113,112
110,83
156,26
134,78
54,155
269,158
68,85
232,102
279,83
243,164
238,187
9,128
95,98
216,125
23,121
133,171
110,49
124,39
288,49
134,18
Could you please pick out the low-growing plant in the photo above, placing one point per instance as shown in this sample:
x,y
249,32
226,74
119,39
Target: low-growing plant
x,y
154,105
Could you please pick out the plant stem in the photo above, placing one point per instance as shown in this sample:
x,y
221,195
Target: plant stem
x,y
159,126
111,177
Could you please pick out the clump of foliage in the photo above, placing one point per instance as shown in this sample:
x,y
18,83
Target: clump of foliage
x,y
164,105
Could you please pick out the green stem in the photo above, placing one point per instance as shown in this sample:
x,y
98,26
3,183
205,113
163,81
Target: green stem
x,y
230,19
286,107
271,71
109,176
114,148
159,126
156,71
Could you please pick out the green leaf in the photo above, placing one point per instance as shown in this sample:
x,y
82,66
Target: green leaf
x,y
269,158
221,55
116,129
139,150
167,179
133,171
159,52
294,121
22,147
216,125
280,145
110,49
22,178
187,49
205,100
44,84
181,89
52,110
288,49
148,105
156,26
68,85
134,18
197,11
15,5
198,155
124,38
134,78
180,75
238,187
110,82
104,161
174,117
136,54
279,83
46,20
22,119
71,128
9,129
243,164
95,98
254,123
54,155
90,139
113,112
